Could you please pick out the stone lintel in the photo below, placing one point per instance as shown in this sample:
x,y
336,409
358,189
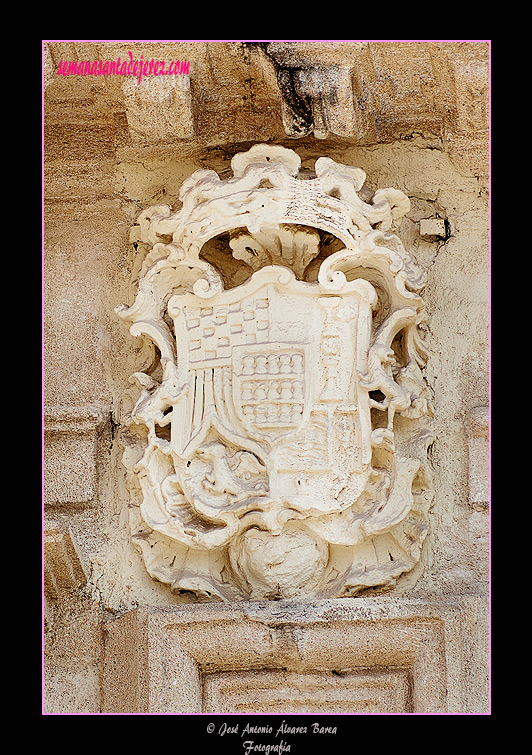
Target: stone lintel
x,y
369,655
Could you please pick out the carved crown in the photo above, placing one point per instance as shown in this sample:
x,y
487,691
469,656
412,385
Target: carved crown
x,y
267,189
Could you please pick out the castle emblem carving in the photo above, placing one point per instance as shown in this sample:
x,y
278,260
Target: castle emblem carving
x,y
275,438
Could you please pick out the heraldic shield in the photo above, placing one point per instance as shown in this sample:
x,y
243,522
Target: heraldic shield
x,y
263,458
271,367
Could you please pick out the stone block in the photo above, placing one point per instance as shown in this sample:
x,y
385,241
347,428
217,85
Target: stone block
x,y
432,227
70,454
63,565
376,655
159,109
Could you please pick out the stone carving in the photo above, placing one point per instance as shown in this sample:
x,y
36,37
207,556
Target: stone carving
x,y
275,439
317,100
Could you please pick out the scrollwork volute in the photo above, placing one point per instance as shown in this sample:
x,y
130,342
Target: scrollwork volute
x,y
276,442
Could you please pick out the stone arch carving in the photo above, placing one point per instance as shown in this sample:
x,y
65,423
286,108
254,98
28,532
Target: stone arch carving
x,y
264,456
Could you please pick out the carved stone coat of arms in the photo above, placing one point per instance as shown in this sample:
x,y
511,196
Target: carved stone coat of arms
x,y
275,438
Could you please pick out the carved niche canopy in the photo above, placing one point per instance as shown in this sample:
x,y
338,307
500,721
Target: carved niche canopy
x,y
275,439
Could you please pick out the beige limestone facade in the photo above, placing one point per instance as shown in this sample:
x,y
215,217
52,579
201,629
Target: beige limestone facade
x,y
266,378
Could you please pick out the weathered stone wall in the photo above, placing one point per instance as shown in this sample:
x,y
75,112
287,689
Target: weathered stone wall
x,y
413,116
